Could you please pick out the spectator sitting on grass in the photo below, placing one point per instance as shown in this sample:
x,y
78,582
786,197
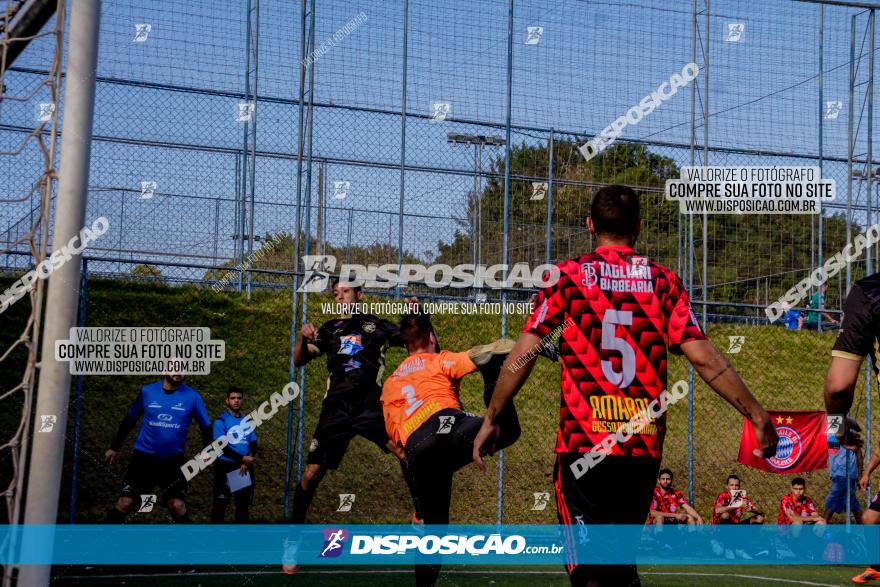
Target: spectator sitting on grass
x,y
732,505
797,508
669,505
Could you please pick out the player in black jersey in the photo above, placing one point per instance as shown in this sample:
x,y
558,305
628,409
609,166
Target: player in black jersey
x,y
857,340
355,348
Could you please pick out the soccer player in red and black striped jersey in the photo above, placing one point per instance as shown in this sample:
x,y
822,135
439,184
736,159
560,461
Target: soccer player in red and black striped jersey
x,y
622,312
858,339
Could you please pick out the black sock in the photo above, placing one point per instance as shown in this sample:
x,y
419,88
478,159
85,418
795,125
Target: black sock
x,y
491,371
411,483
218,514
242,514
508,423
302,499
427,575
184,519
114,516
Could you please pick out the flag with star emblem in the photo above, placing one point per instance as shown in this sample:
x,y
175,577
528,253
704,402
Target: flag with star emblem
x,y
803,445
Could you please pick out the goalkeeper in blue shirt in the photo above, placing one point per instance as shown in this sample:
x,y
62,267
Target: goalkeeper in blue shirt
x,y
168,408
237,459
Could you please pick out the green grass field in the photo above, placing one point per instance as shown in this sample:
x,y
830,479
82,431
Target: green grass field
x,y
784,369
458,576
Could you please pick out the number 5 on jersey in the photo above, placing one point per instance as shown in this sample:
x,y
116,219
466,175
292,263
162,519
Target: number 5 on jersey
x,y
612,342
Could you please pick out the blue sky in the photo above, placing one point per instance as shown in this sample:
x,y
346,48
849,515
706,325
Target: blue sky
x,y
593,62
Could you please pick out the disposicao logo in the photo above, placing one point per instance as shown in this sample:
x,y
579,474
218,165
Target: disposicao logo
x,y
333,542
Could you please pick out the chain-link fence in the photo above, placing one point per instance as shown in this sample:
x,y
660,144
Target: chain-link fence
x,y
227,147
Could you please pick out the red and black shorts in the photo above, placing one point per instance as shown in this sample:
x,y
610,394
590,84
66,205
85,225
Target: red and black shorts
x,y
617,490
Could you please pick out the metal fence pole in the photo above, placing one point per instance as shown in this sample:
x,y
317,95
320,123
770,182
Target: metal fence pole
x,y
307,231
869,171
402,146
44,481
868,196
241,219
254,41
850,140
821,135
307,8
348,234
706,164
688,242
216,237
74,470
549,196
505,243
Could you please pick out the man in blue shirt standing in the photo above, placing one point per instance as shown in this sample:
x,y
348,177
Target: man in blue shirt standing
x,y
238,458
168,407
845,467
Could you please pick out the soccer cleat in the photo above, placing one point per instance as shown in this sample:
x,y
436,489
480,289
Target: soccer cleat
x,y
288,559
549,351
418,524
869,575
740,553
489,358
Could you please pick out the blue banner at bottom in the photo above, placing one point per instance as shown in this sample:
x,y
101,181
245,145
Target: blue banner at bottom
x,y
462,544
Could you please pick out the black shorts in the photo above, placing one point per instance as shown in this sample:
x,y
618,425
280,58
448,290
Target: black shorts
x,y
875,503
445,440
146,472
617,490
222,494
339,422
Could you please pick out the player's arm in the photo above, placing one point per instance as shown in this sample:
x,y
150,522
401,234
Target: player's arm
x,y
685,336
840,383
135,411
788,511
252,445
793,517
218,431
516,371
692,512
549,313
719,374
723,509
853,344
814,514
200,415
830,318
306,348
872,464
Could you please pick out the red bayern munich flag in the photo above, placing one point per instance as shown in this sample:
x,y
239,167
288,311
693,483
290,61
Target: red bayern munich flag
x,y
803,445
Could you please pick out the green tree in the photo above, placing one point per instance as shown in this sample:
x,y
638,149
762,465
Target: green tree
x,y
144,270
750,258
